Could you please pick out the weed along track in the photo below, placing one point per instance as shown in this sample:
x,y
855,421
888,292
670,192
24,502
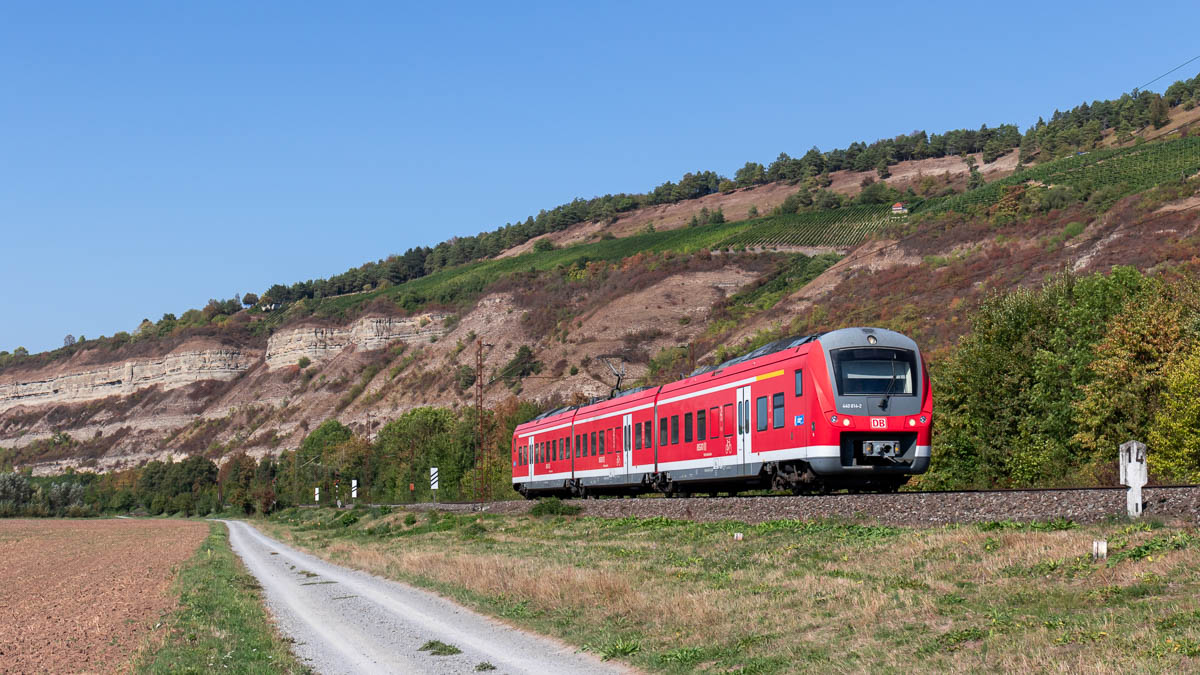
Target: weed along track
x,y
346,621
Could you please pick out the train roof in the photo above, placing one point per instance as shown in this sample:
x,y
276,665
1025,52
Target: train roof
x,y
769,348
620,394
552,413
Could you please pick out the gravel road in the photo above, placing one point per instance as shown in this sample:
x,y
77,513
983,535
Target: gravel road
x,y
346,621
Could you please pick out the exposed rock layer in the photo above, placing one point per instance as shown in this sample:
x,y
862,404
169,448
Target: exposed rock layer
x,y
181,367
318,343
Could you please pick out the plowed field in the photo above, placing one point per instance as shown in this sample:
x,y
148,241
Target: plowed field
x,y
82,595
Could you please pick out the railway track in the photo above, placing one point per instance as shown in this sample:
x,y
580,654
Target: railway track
x,y
1080,504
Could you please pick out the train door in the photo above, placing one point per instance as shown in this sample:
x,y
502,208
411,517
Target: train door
x,y
743,424
626,444
529,456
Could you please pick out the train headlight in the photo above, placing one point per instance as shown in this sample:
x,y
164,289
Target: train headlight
x,y
912,422
845,421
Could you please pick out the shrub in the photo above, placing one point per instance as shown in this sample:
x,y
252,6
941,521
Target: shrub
x,y
304,362
1174,447
1009,392
553,506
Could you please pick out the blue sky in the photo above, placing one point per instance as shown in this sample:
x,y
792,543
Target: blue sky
x,y
154,155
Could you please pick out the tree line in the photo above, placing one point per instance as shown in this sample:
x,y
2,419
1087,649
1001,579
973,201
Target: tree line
x,y
1078,129
391,467
1050,381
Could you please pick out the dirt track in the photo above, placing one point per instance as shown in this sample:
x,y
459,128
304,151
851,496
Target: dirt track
x,y
346,621
82,595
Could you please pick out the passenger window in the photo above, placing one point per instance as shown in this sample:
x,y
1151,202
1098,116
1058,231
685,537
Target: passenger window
x,y
637,436
554,449
593,444
648,432
603,433
687,428
760,405
727,419
662,431
674,429
799,383
700,426
777,410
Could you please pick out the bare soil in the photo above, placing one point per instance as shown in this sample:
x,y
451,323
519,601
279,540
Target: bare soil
x,y
83,596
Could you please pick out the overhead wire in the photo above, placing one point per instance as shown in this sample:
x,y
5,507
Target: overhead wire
x,y
1194,58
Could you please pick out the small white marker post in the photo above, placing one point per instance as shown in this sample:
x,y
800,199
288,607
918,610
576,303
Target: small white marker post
x,y
353,488
433,481
1134,475
317,494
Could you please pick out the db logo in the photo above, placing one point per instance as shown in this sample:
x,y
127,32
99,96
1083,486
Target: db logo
x,y
878,422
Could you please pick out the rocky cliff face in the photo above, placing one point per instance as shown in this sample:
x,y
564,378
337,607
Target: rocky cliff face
x,y
184,366
201,396
320,344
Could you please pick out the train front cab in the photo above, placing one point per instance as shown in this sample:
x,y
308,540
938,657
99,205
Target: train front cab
x,y
875,409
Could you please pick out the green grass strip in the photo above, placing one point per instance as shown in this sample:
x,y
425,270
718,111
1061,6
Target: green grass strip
x,y
221,624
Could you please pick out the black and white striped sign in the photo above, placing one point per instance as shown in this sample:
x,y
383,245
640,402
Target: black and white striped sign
x,y
433,478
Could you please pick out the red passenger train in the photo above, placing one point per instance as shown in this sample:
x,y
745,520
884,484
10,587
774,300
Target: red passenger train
x,y
851,408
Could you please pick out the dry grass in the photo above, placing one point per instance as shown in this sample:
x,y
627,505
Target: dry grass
x,y
793,597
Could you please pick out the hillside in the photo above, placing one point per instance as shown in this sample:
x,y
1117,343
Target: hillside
x,y
656,288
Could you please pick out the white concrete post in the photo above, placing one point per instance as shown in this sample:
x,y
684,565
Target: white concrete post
x,y
316,494
353,488
1134,475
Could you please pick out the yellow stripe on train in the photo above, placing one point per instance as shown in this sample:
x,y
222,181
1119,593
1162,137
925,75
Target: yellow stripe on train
x,y
767,376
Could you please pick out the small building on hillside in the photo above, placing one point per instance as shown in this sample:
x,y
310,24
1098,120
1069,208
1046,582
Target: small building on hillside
x,y
899,208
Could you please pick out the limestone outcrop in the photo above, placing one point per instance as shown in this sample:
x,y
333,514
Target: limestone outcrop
x,y
319,343
183,366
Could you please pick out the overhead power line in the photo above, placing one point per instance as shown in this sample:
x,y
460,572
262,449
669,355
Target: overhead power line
x,y
1168,72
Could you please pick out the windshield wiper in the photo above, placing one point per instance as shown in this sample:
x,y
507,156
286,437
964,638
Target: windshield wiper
x,y
888,394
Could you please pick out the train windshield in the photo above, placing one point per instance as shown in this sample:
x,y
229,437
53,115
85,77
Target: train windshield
x,y
874,371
